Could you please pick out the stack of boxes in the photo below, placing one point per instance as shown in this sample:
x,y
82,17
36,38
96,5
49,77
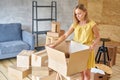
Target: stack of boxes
x,y
39,65
22,69
55,33
36,63
29,62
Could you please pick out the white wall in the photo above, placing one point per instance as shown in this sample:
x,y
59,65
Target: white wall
x,y
21,11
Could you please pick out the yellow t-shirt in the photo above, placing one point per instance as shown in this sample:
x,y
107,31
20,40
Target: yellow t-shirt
x,y
84,34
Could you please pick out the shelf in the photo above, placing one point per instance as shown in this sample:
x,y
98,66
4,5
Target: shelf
x,y
44,6
35,13
41,32
44,19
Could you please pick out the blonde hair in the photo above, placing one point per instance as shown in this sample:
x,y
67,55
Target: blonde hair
x,y
81,7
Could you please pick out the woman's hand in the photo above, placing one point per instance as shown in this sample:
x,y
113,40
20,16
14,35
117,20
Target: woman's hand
x,y
92,47
50,45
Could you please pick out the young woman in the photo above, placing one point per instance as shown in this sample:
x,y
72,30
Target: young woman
x,y
85,32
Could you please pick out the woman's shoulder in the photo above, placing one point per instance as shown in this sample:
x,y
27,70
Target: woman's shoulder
x,y
74,24
92,22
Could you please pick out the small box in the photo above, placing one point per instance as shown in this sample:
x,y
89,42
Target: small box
x,y
55,34
78,57
55,27
97,76
24,58
39,58
40,71
18,73
50,39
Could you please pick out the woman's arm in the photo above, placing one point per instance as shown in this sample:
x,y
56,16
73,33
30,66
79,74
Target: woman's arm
x,y
63,37
97,37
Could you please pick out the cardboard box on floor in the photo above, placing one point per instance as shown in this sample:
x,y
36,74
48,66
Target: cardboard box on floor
x,y
40,71
24,58
78,58
18,73
97,76
39,58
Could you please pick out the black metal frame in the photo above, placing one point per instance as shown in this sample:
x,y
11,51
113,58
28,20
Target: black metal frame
x,y
35,19
104,50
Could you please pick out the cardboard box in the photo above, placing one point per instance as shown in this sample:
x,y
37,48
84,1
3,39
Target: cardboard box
x,y
39,59
18,73
55,34
97,76
40,71
74,77
55,27
36,77
112,50
78,57
24,58
50,39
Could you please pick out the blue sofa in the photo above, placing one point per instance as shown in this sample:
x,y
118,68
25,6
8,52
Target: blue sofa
x,y
13,40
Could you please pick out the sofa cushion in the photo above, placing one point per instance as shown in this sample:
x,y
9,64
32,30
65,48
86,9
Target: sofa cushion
x,y
10,32
13,46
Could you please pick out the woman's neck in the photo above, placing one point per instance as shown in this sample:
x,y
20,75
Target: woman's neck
x,y
82,22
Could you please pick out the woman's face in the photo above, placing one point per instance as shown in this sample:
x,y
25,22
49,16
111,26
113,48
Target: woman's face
x,y
80,14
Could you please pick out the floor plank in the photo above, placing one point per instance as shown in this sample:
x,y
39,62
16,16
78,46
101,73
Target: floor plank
x,y
7,62
2,76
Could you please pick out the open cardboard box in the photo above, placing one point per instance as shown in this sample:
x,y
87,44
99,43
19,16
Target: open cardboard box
x,y
77,61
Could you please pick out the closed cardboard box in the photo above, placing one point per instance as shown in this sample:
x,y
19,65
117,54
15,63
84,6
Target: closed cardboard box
x,y
24,58
18,73
55,27
55,34
40,71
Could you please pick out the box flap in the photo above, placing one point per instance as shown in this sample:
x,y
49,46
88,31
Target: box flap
x,y
75,47
78,62
56,60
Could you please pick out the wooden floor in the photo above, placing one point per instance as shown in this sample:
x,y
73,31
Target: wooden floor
x,y
5,63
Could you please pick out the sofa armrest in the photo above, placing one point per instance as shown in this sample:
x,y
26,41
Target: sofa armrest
x,y
28,38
